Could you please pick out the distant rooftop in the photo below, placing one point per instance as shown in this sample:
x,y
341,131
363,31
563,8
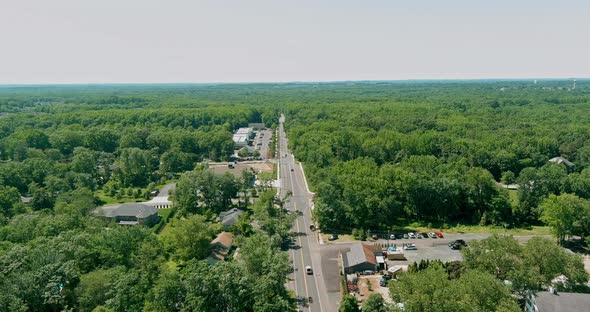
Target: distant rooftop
x,y
562,302
561,160
131,210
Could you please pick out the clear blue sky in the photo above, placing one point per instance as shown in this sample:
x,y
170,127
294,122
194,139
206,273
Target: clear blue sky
x,y
103,41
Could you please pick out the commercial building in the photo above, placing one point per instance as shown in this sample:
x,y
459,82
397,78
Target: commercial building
x,y
362,257
242,136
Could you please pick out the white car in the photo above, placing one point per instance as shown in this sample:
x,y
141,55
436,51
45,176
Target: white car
x,y
432,235
411,235
308,270
411,247
392,237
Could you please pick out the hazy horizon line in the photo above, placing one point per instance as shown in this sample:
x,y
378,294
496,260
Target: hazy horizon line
x,y
296,81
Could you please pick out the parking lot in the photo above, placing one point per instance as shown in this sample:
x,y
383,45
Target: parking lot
x,y
262,143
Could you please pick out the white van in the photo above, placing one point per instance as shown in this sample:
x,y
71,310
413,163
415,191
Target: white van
x,y
308,270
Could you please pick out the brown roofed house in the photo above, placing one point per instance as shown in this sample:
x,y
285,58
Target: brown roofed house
x,y
220,247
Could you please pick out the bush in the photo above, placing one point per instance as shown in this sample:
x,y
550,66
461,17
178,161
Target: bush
x,y
359,234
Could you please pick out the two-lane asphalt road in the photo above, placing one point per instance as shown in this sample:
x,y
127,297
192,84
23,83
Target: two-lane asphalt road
x,y
306,252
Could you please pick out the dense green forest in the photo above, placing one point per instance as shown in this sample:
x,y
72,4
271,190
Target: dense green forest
x,y
62,146
377,154
380,155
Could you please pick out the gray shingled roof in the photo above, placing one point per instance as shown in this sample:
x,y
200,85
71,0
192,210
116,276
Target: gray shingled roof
x,y
230,217
562,302
137,210
359,254
561,160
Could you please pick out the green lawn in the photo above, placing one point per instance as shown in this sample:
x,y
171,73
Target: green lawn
x,y
112,200
460,229
513,196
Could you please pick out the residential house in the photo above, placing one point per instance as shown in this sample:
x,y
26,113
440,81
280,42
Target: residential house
x,y
562,161
220,247
552,301
131,214
229,218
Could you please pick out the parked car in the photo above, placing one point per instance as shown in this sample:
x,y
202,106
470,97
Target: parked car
x,y
392,236
411,247
439,235
418,236
333,237
382,282
424,235
411,235
375,237
406,236
459,242
454,246
368,272
432,235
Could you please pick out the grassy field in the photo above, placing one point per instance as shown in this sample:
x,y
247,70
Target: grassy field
x,y
460,229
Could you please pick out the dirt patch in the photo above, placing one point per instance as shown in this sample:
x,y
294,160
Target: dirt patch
x,y
258,167
365,290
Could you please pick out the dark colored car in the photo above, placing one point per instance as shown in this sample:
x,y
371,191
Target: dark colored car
x,y
454,246
292,170
375,237
459,242
424,235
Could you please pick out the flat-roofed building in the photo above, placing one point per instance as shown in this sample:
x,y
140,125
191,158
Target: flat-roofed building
x,y
242,136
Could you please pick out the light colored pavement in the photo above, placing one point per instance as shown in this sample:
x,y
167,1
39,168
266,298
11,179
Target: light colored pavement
x,y
162,200
307,250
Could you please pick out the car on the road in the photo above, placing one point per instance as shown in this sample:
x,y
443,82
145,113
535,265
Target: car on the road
x,y
333,237
392,237
439,235
432,235
411,235
308,270
292,170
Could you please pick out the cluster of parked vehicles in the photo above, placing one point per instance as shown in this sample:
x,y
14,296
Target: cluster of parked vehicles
x,y
410,235
413,235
